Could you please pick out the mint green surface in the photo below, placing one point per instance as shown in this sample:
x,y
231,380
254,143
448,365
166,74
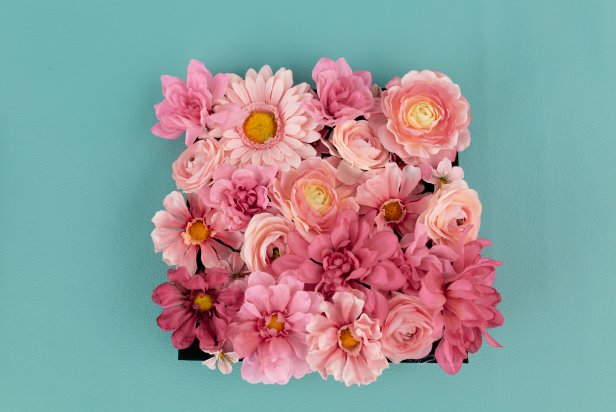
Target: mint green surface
x,y
81,176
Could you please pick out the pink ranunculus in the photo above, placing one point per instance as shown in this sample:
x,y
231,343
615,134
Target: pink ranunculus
x,y
194,169
355,142
189,106
342,94
344,342
265,241
441,175
395,195
425,118
450,211
312,195
465,301
199,306
408,332
239,193
270,330
181,231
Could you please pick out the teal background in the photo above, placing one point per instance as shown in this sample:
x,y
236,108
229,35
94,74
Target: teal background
x,y
81,176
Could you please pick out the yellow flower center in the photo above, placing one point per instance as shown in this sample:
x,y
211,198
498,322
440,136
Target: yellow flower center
x,y
275,324
317,197
204,302
347,341
392,211
197,231
423,115
260,126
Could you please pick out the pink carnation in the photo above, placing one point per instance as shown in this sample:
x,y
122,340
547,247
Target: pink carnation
x,y
195,167
344,342
270,331
199,306
342,93
188,106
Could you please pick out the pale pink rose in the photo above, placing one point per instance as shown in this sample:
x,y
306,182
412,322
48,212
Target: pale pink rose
x,y
356,142
312,195
265,240
344,342
195,167
408,332
451,210
425,118
444,173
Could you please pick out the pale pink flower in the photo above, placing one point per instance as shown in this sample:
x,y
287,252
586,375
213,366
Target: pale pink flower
x,y
395,195
224,361
195,167
344,342
277,131
425,118
239,193
181,231
236,269
342,94
441,175
201,306
355,142
312,196
265,241
408,332
450,211
270,331
188,106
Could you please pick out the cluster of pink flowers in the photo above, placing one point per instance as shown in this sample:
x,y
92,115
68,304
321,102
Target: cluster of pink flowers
x,y
321,230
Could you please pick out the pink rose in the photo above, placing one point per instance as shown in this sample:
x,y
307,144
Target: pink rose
x,y
266,240
356,142
342,93
425,118
408,331
452,209
195,167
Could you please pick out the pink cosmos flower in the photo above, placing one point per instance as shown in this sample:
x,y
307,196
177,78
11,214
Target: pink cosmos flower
x,y
441,175
395,195
239,193
188,106
181,231
270,331
266,240
195,167
465,301
344,342
277,131
197,306
342,94
425,117
356,143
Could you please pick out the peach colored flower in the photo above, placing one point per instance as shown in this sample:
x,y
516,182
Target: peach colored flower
x,y
425,119
451,210
356,142
195,167
265,240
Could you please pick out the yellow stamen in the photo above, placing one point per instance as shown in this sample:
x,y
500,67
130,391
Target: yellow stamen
x,y
392,211
204,302
197,231
275,324
347,341
260,126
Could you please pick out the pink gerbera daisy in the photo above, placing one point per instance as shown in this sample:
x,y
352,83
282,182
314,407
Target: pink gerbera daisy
x,y
277,131
183,230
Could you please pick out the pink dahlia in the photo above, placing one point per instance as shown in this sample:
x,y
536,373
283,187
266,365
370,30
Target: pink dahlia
x,y
198,306
395,195
466,302
425,119
344,342
277,131
188,106
239,193
342,94
270,330
183,230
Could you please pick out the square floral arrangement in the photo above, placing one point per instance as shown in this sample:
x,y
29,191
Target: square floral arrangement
x,y
321,230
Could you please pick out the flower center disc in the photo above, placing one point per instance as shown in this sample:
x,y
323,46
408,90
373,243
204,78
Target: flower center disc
x,y
260,126
347,341
197,231
203,302
392,211
275,324
317,197
424,115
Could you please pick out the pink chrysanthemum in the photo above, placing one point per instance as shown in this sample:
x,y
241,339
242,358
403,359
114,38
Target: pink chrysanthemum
x,y
277,131
183,230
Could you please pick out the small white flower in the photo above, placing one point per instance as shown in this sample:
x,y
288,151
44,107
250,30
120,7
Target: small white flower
x,y
225,361
443,174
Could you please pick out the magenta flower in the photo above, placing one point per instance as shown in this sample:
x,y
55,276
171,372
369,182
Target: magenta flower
x,y
188,106
270,330
181,231
239,194
200,306
342,94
